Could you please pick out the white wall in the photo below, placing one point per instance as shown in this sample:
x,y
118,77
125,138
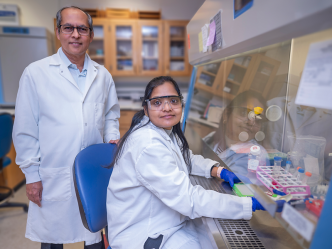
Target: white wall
x,y
171,9
38,13
42,12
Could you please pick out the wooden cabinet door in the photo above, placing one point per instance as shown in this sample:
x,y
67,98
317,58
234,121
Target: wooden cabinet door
x,y
209,77
263,72
125,121
99,49
124,47
150,47
176,48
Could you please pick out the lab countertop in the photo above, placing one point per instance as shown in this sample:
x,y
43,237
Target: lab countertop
x,y
124,105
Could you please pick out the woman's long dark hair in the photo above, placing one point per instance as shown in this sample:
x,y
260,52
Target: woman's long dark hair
x,y
139,116
240,99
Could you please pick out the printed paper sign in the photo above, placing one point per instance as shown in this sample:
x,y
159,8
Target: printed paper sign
x,y
217,43
212,33
298,222
316,83
205,32
200,42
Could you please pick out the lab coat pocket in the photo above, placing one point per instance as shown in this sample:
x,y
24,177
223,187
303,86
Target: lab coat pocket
x,y
99,116
56,183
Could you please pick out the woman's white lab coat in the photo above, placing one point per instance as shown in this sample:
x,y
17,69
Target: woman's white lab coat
x,y
150,193
54,121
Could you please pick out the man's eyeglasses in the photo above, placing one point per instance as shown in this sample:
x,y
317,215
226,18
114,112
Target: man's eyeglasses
x,y
68,29
158,103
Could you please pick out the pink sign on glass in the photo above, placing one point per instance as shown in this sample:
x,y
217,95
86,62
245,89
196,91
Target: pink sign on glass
x,y
212,33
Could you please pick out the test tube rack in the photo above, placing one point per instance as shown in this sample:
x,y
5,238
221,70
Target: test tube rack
x,y
282,181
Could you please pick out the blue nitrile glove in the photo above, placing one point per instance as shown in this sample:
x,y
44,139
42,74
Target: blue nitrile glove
x,y
277,192
229,177
257,206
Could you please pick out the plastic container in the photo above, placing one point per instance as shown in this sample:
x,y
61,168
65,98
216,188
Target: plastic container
x,y
288,166
306,177
277,166
254,158
300,175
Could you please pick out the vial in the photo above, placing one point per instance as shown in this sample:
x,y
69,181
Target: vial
x,y
306,177
296,172
288,165
254,158
277,165
300,175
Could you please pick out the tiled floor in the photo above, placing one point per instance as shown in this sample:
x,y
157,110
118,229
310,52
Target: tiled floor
x,y
12,227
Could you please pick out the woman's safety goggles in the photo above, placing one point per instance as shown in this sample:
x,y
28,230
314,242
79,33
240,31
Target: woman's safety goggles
x,y
158,103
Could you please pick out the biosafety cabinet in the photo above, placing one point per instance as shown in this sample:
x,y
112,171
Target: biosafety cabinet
x,y
260,103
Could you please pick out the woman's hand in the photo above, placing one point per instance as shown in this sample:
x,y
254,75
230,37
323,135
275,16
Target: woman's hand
x,y
229,177
257,206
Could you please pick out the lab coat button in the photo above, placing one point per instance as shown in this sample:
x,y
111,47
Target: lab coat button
x,y
86,124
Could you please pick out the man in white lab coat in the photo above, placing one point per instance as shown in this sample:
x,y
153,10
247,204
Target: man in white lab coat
x,y
65,103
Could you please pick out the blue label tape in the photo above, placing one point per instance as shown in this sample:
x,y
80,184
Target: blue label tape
x,y
15,30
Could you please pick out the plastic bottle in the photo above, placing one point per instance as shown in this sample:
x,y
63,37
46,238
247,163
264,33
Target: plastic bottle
x,y
254,158
277,166
288,165
306,177
300,175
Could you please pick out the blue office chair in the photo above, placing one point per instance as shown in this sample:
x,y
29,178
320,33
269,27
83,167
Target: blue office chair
x,y
91,180
6,128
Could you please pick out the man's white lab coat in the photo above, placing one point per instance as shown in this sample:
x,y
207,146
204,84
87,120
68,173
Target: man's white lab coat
x,y
150,193
54,121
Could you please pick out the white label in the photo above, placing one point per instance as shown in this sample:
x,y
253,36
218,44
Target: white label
x,y
316,83
298,222
253,164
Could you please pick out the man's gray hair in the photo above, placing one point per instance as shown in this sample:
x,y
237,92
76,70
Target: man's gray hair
x,y
59,17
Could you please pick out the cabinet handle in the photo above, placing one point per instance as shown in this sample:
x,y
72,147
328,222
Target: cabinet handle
x,y
110,67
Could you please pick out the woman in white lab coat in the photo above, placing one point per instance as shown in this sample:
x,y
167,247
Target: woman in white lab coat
x,y
150,200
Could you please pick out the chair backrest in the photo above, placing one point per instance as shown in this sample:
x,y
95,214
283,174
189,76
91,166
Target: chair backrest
x,y
91,180
6,128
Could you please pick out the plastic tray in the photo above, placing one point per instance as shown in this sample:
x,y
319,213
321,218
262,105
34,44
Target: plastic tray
x,y
283,181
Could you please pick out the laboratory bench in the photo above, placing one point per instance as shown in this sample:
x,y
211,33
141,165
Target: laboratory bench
x,y
261,231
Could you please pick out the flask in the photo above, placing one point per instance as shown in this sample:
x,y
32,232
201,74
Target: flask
x,y
254,158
